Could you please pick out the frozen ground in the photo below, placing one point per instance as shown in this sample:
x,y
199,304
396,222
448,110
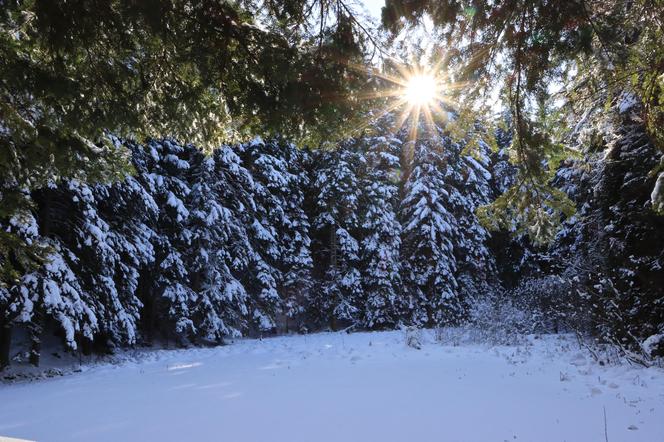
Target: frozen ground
x,y
340,387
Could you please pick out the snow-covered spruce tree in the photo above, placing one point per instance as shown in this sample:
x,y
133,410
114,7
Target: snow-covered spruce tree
x,y
253,246
169,298
86,259
428,232
297,262
281,226
86,287
108,263
471,179
381,232
514,255
220,309
265,220
16,305
50,293
131,213
612,250
337,298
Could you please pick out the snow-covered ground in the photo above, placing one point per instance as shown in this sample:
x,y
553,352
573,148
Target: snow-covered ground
x,y
341,387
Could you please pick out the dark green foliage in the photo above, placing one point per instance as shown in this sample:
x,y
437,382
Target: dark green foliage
x,y
595,50
337,299
380,246
612,251
74,71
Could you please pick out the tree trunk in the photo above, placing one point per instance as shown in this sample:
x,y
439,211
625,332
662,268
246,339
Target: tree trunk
x,y
35,350
5,344
36,330
147,317
86,346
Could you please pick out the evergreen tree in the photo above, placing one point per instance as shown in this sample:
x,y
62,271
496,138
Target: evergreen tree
x,y
476,267
514,254
281,226
611,251
297,261
338,297
131,213
169,306
52,292
429,230
74,71
221,307
253,245
381,233
101,267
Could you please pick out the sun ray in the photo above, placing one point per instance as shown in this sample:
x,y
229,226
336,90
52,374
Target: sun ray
x,y
381,113
414,123
403,115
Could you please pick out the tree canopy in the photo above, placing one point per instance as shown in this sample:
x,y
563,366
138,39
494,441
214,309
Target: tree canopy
x,y
73,72
553,61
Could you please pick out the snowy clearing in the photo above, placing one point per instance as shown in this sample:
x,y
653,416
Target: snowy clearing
x,y
341,387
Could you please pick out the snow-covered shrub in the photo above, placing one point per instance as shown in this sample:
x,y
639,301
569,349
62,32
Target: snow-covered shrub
x,y
545,302
456,336
413,337
654,345
536,305
496,319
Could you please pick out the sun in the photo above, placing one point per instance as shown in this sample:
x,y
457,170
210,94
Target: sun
x,y
421,90
420,96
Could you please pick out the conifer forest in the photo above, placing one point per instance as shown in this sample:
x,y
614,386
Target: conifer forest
x,y
402,203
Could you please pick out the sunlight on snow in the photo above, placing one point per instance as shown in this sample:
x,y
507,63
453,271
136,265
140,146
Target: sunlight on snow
x,y
183,366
